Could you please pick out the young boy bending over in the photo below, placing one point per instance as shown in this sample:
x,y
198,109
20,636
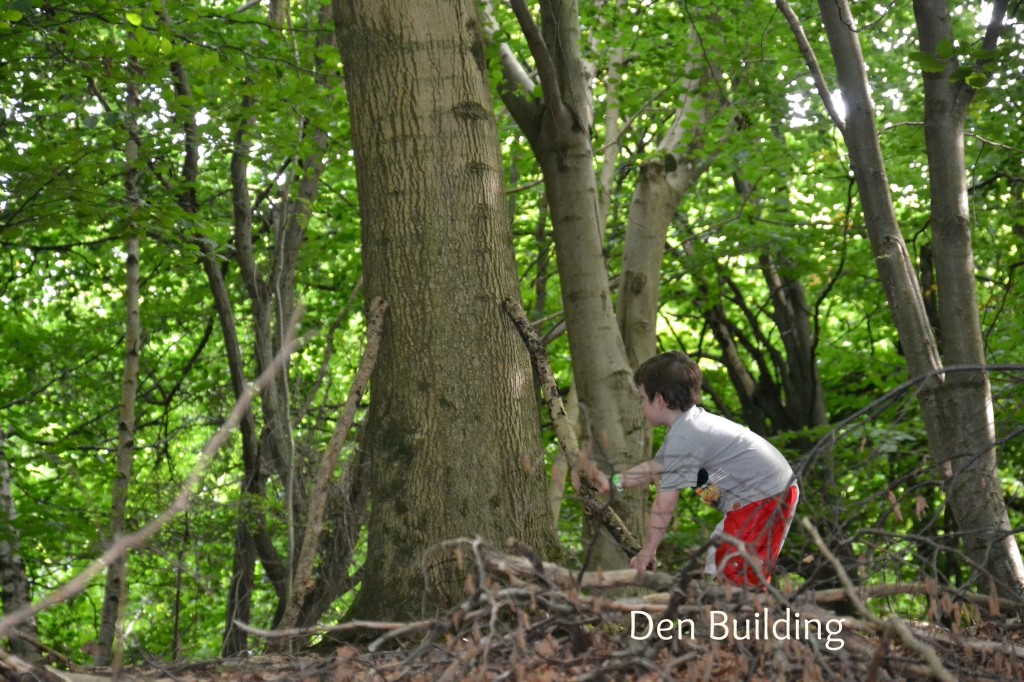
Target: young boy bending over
x,y
729,467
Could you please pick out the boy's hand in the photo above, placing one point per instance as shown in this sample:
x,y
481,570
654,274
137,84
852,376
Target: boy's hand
x,y
600,482
589,471
643,561
594,477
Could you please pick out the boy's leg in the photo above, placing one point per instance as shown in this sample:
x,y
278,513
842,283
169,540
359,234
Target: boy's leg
x,y
711,561
762,528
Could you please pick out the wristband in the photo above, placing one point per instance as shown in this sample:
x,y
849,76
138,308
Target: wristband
x,y
617,483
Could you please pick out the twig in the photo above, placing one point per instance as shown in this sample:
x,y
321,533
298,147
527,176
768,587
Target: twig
x,y
272,635
180,504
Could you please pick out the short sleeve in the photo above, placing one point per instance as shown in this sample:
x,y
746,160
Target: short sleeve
x,y
679,471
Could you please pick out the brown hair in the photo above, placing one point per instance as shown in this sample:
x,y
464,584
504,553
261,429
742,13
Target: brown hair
x,y
674,375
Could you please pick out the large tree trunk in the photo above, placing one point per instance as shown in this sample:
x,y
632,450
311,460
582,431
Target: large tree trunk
x,y
14,590
452,435
957,412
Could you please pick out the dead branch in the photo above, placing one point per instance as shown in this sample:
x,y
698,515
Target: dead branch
x,y
895,624
25,670
594,508
522,570
839,594
518,622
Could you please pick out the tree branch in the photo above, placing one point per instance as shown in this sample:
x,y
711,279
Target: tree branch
x,y
812,62
318,496
895,624
546,70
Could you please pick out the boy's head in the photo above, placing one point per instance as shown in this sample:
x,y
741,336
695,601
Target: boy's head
x,y
674,375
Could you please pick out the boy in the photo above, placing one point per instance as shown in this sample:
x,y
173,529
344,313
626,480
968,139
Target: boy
x,y
730,467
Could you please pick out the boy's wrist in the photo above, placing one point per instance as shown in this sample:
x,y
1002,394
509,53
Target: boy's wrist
x,y
616,481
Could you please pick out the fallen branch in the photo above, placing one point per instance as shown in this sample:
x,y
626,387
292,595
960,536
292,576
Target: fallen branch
x,y
594,508
25,670
517,622
524,570
139,538
350,626
838,594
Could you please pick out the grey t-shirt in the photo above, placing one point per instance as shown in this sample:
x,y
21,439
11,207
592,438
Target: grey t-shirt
x,y
741,467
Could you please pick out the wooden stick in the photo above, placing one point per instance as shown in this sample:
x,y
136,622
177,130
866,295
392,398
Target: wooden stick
x,y
594,508
886,590
25,670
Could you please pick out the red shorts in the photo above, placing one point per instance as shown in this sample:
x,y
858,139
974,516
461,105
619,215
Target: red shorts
x,y
762,527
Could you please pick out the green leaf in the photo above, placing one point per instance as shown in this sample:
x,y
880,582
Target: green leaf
x,y
11,15
945,49
133,18
929,63
977,80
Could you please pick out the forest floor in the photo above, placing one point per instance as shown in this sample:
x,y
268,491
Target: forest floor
x,y
523,620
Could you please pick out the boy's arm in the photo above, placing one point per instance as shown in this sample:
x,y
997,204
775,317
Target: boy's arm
x,y
641,475
662,509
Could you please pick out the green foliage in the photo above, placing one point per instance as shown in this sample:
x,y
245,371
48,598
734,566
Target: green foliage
x,y
64,216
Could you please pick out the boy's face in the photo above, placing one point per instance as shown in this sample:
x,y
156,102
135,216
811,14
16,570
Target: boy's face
x,y
656,412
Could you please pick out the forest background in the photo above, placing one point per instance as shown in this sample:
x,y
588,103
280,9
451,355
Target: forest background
x,y
749,186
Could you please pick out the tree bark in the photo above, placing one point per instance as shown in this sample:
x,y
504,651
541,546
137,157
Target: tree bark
x,y
14,589
957,412
452,435
663,182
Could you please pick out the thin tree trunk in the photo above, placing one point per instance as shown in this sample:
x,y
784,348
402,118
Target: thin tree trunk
x,y
559,133
239,599
318,497
968,429
957,417
14,589
798,370
108,649
663,182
